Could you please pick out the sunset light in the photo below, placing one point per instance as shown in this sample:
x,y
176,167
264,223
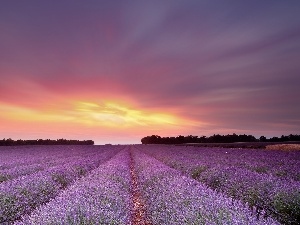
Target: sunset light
x,y
153,112
113,114
122,71
105,115
92,114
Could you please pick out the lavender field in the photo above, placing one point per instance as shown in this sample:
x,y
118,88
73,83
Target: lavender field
x,y
148,184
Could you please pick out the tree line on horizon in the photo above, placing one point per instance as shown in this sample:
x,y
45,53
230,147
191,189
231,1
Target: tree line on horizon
x,y
11,142
216,138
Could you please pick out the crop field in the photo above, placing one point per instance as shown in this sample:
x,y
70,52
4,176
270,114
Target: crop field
x,y
148,184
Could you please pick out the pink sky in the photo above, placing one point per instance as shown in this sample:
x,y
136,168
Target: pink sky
x,y
117,71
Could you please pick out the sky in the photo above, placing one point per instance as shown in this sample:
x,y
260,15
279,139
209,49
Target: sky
x,y
117,71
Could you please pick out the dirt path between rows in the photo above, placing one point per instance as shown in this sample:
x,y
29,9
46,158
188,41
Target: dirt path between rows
x,y
138,211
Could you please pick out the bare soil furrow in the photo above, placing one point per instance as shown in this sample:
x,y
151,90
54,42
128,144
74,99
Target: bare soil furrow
x,y
139,210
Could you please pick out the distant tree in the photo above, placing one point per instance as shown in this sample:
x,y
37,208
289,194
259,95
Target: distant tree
x,y
274,139
216,138
10,142
190,139
180,139
153,139
202,139
262,139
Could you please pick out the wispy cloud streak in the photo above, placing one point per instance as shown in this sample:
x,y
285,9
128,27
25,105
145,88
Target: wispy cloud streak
x,y
225,66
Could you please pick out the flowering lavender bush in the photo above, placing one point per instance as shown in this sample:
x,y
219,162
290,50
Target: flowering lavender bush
x,y
22,161
178,185
232,172
175,199
21,195
103,197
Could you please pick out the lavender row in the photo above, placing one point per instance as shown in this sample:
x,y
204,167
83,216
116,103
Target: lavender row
x,y
102,197
281,164
14,156
25,170
21,195
280,198
44,161
172,198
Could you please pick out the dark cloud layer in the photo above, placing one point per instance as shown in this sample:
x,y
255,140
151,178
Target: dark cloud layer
x,y
233,64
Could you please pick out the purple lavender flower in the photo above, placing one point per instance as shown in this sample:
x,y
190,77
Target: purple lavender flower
x,y
21,195
176,199
244,174
102,197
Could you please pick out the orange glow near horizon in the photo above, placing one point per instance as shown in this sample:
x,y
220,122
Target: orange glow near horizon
x,y
112,114
92,119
